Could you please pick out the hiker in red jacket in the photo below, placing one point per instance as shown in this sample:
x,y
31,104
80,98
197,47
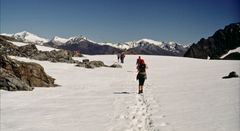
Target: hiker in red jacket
x,y
138,60
141,76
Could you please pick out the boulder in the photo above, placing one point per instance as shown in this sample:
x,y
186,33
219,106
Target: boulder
x,y
85,60
10,82
28,50
91,64
31,74
97,63
231,75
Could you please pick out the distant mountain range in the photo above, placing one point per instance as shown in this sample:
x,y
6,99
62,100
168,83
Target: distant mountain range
x,y
86,46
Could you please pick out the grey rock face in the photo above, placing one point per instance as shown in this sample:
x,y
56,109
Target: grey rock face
x,y
217,45
91,64
10,82
30,51
16,75
232,56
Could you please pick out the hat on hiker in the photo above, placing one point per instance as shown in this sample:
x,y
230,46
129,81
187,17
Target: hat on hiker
x,y
141,61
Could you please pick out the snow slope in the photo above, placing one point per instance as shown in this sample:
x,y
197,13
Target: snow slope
x,y
180,94
59,41
6,34
28,37
39,47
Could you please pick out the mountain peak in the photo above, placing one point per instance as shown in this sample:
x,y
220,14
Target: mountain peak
x,y
28,37
80,38
59,40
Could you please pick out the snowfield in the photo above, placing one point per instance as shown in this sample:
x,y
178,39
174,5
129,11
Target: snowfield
x,y
180,94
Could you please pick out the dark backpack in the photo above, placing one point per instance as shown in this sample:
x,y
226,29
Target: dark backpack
x,y
141,67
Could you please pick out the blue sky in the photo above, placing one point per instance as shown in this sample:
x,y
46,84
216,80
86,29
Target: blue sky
x,y
183,21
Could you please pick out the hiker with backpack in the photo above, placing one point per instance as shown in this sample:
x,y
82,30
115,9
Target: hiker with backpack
x,y
138,60
122,56
141,76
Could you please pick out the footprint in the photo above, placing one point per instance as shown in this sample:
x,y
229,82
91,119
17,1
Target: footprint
x,y
164,124
162,116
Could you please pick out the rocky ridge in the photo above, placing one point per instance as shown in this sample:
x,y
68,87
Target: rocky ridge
x,y
218,44
16,75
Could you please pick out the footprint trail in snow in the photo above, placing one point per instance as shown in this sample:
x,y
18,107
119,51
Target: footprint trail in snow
x,y
140,116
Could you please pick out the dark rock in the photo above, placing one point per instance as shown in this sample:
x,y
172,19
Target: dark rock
x,y
231,75
31,74
3,37
217,45
31,51
85,60
91,64
96,63
232,56
8,48
10,82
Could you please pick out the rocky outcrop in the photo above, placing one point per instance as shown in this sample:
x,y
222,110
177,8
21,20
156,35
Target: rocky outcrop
x,y
3,37
91,64
232,56
217,45
232,74
31,51
10,82
16,75
54,56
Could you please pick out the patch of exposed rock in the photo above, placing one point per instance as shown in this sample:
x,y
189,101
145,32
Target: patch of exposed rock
x,y
10,82
91,64
232,56
31,51
232,74
17,75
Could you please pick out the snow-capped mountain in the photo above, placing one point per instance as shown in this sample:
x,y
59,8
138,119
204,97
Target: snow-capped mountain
x,y
151,47
122,46
28,37
59,41
78,39
84,45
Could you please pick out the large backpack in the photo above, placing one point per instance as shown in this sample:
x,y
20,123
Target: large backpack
x,y
141,67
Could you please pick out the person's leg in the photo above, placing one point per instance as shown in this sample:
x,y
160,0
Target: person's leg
x,y
141,80
139,89
139,83
142,85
